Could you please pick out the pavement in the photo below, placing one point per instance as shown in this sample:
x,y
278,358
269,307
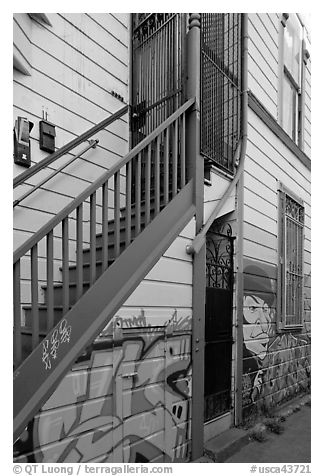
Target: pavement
x,y
293,445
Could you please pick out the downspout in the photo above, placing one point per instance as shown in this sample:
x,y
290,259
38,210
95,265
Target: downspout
x,y
200,238
240,224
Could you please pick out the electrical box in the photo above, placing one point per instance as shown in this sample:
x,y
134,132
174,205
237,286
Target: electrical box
x,y
47,136
22,130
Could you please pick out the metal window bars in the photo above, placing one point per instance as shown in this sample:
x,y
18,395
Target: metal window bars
x,y
220,87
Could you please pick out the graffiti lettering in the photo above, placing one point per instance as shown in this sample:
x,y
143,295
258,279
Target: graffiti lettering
x,y
126,400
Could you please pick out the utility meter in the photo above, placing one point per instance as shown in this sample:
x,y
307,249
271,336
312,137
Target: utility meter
x,y
22,130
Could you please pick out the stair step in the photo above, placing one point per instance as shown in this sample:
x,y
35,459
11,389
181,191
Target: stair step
x,y
58,292
86,271
26,341
42,311
111,251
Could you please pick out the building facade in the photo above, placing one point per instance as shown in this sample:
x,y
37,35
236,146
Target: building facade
x,y
168,338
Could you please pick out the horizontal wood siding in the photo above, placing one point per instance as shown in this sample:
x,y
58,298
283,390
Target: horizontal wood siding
x,y
77,65
263,59
307,123
275,366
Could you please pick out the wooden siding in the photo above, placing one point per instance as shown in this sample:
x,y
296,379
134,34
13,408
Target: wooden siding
x,y
73,79
275,366
76,66
213,194
263,69
307,125
263,59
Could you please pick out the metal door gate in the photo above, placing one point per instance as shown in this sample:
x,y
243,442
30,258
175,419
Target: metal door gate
x,y
158,41
218,322
220,87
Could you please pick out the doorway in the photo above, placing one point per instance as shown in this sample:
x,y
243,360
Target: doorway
x,y
218,321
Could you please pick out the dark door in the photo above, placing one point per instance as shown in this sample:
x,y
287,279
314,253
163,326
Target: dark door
x,y
218,324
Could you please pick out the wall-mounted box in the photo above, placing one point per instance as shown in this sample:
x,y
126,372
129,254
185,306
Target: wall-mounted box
x,y
47,136
21,141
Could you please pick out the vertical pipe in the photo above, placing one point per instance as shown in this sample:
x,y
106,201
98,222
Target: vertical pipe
x,y
34,296
49,281
93,242
65,264
17,313
104,263
240,223
196,172
79,251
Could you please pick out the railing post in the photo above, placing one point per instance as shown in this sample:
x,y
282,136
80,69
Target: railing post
x,y
196,172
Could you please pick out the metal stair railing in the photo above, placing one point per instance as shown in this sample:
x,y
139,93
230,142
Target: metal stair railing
x,y
157,165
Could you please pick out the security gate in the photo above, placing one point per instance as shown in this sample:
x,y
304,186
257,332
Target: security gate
x,y
220,93
218,321
158,41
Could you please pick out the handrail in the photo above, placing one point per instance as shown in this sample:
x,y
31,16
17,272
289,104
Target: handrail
x,y
36,237
92,145
69,146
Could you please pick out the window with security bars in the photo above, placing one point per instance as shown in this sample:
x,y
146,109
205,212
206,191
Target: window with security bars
x,y
291,261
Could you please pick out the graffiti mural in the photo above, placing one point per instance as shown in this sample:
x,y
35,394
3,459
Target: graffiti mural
x,y
275,367
127,399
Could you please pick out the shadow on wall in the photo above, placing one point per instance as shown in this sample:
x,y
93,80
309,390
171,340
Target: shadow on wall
x,y
127,399
275,366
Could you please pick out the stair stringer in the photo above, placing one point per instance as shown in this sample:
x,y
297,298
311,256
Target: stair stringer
x,y
37,377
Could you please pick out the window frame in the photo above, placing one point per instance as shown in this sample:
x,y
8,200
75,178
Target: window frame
x,y
297,133
299,318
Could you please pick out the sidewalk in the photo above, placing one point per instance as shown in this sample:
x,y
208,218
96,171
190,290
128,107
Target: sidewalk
x,y
292,446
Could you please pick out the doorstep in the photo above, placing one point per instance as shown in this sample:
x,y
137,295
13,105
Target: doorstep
x,y
224,445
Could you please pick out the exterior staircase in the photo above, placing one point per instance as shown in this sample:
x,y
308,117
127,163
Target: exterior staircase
x,y
102,262
158,201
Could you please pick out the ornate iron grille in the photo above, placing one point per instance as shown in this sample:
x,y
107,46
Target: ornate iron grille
x,y
220,87
219,259
294,225
158,70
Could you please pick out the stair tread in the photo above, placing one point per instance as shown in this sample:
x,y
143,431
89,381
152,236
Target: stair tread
x,y
41,307
87,265
28,330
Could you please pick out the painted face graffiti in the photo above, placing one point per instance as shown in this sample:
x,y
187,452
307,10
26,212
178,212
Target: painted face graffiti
x,y
256,330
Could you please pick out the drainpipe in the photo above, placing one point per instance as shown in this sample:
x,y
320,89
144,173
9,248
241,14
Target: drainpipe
x,y
196,173
240,223
200,239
